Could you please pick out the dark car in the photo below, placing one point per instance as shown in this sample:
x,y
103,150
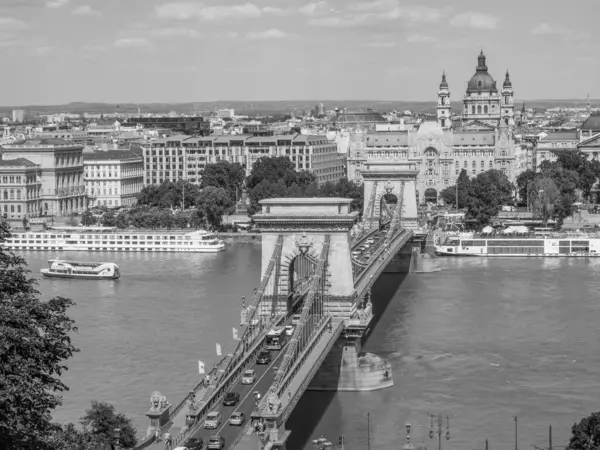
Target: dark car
x,y
231,399
194,444
216,443
263,358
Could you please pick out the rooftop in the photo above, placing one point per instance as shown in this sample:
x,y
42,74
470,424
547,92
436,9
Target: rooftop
x,y
474,138
111,155
591,123
561,136
362,116
387,139
18,162
40,141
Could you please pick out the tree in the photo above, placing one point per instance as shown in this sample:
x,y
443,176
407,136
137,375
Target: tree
x,y
122,220
487,193
213,202
524,182
101,421
543,196
166,219
108,218
181,220
226,175
276,168
35,342
449,194
87,219
586,433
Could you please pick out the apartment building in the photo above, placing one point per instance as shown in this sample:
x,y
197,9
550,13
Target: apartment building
x,y
61,166
113,178
20,188
184,158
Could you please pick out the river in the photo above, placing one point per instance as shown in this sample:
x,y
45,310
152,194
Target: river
x,y
482,341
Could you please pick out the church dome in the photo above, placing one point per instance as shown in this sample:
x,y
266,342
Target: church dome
x,y
482,80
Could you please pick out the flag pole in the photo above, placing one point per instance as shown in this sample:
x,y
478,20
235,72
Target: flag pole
x,y
516,434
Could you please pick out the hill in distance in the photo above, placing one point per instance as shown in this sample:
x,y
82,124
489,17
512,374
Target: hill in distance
x,y
267,108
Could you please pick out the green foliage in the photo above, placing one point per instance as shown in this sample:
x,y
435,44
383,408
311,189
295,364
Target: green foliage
x,y
87,219
524,182
225,175
181,220
101,421
122,220
168,194
487,193
35,342
214,203
273,169
448,194
586,434
109,218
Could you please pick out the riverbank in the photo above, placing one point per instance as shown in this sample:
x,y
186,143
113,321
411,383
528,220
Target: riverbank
x,y
240,238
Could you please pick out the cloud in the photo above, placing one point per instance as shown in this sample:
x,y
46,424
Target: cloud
x,y
475,20
546,29
177,32
85,10
189,10
12,24
56,3
44,50
273,33
381,44
276,11
337,21
312,8
131,42
420,39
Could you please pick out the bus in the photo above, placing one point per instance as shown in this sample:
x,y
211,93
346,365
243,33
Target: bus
x,y
276,338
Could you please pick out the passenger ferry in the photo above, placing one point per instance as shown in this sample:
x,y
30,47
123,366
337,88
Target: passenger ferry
x,y
555,245
84,270
113,240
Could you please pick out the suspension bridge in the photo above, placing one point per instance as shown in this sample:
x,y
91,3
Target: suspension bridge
x,y
318,266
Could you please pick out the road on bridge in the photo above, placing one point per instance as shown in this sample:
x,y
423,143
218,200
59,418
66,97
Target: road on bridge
x,y
265,374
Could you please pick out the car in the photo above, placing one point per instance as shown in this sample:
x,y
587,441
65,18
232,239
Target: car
x,y
237,419
370,240
263,358
216,443
231,399
289,329
248,377
296,319
212,421
194,443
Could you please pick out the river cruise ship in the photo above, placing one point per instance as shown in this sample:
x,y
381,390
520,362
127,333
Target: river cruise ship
x,y
555,245
114,240
83,270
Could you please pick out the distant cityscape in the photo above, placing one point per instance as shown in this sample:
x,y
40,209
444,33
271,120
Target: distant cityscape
x,y
61,163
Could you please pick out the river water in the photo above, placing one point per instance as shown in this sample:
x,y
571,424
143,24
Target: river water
x,y
482,341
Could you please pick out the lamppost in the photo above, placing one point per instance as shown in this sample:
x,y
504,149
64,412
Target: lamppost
x,y
117,438
408,445
437,428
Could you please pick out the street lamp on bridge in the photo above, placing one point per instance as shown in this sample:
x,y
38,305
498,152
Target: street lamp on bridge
x,y
437,428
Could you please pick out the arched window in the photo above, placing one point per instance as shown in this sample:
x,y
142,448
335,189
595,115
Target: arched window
x,y
506,121
12,194
472,109
485,109
478,109
19,209
5,195
491,164
18,194
12,208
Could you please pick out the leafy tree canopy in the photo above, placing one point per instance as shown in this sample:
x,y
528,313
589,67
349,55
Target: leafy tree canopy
x,y
168,194
277,168
586,433
448,194
487,193
35,341
226,175
214,202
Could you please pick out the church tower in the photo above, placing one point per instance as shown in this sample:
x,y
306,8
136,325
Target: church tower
x,y
443,105
507,105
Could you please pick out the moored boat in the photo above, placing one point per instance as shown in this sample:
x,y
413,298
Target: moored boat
x,y
84,270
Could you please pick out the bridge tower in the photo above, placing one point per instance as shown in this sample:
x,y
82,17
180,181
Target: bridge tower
x,y
392,178
301,226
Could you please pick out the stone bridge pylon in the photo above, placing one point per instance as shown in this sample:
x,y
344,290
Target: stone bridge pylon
x,y
386,183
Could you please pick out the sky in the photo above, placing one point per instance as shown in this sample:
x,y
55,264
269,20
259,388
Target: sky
x,y
142,51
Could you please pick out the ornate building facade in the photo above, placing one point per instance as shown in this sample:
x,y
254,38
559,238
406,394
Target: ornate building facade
x,y
441,148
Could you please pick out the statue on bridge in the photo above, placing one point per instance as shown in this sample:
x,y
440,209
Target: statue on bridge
x,y
273,403
158,402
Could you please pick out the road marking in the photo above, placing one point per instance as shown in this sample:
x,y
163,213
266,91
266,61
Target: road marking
x,y
251,392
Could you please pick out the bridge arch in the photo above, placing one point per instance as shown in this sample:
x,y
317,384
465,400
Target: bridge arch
x,y
387,204
299,266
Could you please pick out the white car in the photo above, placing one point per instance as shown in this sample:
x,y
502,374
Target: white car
x,y
248,377
289,329
370,240
212,421
296,319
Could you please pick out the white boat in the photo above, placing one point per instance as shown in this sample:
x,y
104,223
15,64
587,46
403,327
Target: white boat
x,y
84,270
114,240
557,245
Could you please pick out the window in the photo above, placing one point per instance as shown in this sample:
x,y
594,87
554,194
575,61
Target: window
x,y
491,164
18,194
483,164
465,164
478,109
5,195
472,109
485,109
474,164
19,208
12,194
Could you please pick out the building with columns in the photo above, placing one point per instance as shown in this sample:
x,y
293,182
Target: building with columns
x,y
61,166
480,140
114,177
